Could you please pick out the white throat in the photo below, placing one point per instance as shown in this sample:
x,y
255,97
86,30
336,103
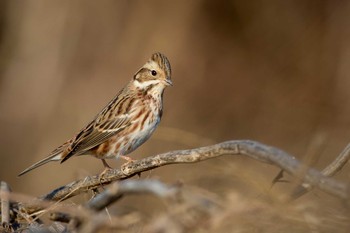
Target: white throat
x,y
145,84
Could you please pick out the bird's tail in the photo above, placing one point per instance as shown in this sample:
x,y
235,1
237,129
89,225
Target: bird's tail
x,y
53,157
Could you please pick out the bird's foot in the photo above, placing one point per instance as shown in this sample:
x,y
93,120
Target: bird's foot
x,y
128,161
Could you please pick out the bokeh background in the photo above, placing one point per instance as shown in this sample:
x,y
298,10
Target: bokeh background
x,y
273,71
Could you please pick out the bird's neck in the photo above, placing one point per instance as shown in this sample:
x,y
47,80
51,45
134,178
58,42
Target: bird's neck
x,y
151,89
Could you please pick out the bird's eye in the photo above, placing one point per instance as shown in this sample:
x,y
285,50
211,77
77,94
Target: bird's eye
x,y
154,73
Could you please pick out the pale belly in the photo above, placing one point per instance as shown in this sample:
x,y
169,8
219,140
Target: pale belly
x,y
136,139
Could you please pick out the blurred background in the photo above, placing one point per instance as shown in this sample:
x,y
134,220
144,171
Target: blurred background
x,y
272,71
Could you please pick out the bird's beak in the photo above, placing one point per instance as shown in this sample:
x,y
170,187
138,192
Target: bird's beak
x,y
168,82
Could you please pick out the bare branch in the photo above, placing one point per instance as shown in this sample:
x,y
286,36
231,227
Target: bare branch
x,y
251,149
182,201
118,189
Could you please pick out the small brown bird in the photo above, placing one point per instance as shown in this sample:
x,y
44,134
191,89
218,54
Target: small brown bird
x,y
125,123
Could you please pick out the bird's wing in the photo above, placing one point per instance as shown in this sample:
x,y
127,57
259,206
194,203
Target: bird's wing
x,y
110,121
96,133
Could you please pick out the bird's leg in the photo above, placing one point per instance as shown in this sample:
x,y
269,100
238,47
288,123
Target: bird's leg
x,y
106,165
107,168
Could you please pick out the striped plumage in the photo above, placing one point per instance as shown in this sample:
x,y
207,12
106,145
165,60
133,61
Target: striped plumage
x,y
126,122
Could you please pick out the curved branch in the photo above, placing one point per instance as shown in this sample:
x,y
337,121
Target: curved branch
x,y
118,189
251,149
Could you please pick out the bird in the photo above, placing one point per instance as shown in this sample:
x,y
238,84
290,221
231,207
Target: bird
x,y
127,121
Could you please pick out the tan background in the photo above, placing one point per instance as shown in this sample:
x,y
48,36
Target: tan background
x,y
273,71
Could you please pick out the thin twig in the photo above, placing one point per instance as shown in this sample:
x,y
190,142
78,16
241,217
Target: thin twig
x,y
338,163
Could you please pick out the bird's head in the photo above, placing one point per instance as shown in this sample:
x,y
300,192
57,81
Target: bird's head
x,y
155,73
